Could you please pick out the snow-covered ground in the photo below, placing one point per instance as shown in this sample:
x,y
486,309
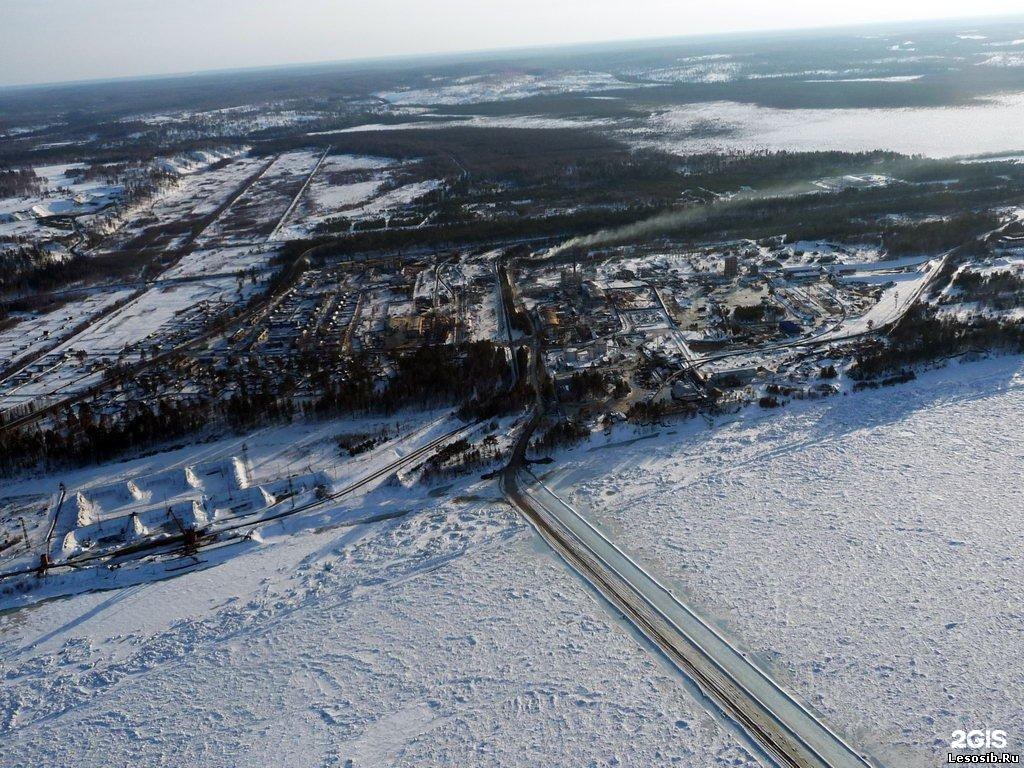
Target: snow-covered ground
x,y
253,215
866,548
342,182
231,121
484,312
900,290
64,192
37,330
154,315
936,131
503,87
478,121
447,635
355,187
220,260
234,242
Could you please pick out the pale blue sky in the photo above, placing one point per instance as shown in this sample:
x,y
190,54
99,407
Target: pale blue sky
x,y
57,40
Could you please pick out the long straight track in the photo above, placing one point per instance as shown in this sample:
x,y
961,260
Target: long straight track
x,y
788,733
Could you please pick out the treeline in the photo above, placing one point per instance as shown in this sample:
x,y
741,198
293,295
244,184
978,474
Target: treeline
x,y
853,215
749,313
856,215
78,437
923,336
35,303
797,92
585,385
476,376
28,271
20,182
102,143
938,235
465,233
646,412
767,171
548,166
355,443
764,169
563,433
522,153
460,457
998,290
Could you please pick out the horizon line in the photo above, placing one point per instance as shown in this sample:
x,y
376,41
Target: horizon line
x,y
470,53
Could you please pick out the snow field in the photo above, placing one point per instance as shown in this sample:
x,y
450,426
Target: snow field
x,y
439,638
864,548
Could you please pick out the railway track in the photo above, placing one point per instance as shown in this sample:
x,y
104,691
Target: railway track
x,y
399,464
170,547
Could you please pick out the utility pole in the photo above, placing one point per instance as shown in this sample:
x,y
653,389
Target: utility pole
x,y
245,462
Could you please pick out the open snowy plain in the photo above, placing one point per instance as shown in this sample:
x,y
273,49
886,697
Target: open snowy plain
x,y
866,548
863,548
445,635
